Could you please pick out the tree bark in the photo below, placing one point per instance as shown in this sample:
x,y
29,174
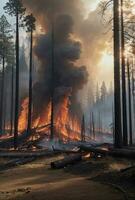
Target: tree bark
x,y
16,85
83,129
52,87
30,88
124,99
93,126
130,106
2,96
12,101
117,88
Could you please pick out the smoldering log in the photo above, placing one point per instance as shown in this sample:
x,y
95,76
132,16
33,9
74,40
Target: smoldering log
x,y
69,160
93,150
125,153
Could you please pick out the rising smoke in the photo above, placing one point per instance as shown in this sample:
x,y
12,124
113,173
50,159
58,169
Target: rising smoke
x,y
68,76
67,17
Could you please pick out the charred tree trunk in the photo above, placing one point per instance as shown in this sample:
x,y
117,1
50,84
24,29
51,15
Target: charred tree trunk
x,y
130,106
133,88
83,129
2,95
4,107
117,88
69,160
113,132
124,99
16,85
52,87
30,87
93,126
122,153
90,124
12,101
99,122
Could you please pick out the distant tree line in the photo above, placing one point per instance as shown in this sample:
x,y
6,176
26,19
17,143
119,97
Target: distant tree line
x,y
124,44
10,58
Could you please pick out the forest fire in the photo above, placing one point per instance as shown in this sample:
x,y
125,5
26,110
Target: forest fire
x,y
66,127
57,71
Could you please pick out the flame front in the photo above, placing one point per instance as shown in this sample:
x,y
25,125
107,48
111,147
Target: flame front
x,y
66,127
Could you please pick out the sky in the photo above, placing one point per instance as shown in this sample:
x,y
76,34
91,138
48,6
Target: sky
x,y
106,63
2,4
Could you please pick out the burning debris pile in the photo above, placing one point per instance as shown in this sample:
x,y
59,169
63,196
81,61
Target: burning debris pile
x,y
58,53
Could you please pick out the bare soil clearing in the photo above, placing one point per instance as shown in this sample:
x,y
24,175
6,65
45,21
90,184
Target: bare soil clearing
x,y
36,181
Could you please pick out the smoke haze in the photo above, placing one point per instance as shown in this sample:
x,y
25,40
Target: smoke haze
x,y
78,45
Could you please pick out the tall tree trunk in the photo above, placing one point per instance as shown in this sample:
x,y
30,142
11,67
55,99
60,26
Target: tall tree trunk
x,y
52,87
124,99
133,88
4,114
83,129
90,124
99,122
93,126
113,131
4,105
117,88
30,88
12,101
130,107
2,95
16,85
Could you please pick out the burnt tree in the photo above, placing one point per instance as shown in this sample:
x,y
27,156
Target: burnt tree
x,y
130,103
124,98
30,24
117,88
83,129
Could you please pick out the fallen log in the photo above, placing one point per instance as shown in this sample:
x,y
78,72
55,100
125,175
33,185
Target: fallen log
x,y
9,142
69,160
16,162
26,154
127,169
125,153
92,149
22,138
65,151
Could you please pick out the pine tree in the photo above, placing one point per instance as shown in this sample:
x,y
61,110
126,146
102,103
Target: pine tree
x,y
5,45
124,98
15,8
130,103
117,88
97,94
30,24
83,129
103,92
93,126
52,84
11,65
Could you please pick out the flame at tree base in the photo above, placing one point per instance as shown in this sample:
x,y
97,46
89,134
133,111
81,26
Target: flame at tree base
x,y
66,126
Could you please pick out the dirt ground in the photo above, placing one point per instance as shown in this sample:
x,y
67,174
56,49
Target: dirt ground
x,y
36,181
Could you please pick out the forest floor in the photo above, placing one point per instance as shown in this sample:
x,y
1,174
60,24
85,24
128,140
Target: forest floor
x,y
93,179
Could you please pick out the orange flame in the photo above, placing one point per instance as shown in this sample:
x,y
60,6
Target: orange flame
x,y
66,127
23,115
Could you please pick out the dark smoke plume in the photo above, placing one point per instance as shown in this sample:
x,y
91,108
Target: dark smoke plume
x,y
68,76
